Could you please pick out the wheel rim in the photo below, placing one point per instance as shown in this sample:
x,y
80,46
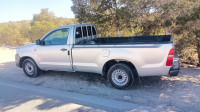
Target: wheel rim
x,y
29,68
120,77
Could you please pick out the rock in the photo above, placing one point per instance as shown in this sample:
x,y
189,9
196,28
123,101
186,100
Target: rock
x,y
191,66
184,65
127,98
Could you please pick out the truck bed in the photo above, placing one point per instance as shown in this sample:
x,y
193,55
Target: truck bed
x,y
159,39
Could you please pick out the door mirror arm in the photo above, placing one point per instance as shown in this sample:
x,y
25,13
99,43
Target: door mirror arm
x,y
39,42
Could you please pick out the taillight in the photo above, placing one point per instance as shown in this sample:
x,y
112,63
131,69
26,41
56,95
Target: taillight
x,y
170,58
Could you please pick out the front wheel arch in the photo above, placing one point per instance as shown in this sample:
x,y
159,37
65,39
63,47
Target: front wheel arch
x,y
23,58
35,69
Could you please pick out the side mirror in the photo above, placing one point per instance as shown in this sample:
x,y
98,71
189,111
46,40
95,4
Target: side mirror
x,y
38,42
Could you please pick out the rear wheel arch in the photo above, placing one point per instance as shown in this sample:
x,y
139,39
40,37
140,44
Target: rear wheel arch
x,y
121,76
112,62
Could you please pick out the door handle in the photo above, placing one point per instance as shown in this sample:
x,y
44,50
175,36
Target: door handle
x,y
63,49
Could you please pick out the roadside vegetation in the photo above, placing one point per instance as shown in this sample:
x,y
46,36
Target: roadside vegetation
x,y
27,31
114,18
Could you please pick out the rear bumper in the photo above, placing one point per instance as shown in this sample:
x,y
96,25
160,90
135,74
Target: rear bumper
x,y
174,70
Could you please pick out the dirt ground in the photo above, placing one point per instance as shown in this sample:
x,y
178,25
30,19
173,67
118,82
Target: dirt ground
x,y
180,93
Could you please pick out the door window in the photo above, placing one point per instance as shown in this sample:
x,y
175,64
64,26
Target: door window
x,y
58,37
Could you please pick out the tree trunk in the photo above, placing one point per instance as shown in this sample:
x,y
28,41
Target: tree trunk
x,y
198,46
31,39
167,31
119,33
198,52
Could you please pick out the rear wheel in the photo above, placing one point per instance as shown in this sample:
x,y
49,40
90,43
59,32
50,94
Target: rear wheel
x,y
120,76
30,68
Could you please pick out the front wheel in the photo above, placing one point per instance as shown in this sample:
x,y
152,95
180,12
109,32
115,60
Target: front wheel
x,y
120,76
30,68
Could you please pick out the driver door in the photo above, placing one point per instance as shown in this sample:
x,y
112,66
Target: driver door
x,y
54,53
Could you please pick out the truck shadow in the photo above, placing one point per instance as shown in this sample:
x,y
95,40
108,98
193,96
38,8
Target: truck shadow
x,y
152,81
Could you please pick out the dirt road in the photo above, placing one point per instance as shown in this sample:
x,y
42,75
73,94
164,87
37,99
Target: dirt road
x,y
18,97
179,93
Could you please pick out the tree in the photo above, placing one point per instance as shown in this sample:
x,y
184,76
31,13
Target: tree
x,y
145,17
44,22
23,32
10,34
44,15
104,13
189,23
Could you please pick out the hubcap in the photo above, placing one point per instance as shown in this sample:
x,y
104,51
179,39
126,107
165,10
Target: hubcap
x,y
29,68
119,77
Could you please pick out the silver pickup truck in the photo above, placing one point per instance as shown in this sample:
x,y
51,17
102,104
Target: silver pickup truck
x,y
78,48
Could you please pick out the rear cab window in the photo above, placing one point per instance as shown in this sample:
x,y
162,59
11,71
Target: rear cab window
x,y
85,34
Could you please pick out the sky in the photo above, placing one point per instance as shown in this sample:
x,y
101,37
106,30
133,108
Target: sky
x,y
16,10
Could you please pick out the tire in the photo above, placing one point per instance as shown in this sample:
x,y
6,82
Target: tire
x,y
30,68
120,76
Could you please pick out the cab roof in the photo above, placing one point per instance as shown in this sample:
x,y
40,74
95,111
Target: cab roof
x,y
76,25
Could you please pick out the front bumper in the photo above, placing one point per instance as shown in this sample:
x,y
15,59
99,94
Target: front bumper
x,y
17,59
174,70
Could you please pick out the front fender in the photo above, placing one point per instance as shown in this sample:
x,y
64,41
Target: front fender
x,y
27,51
